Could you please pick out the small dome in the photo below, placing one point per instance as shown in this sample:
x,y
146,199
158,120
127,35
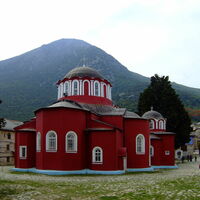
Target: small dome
x,y
152,114
83,72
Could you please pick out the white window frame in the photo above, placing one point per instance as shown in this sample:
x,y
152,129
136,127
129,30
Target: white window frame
x,y
86,81
58,91
74,142
140,150
109,92
21,156
97,91
161,124
167,152
48,149
103,89
61,89
151,124
66,88
73,88
38,142
94,155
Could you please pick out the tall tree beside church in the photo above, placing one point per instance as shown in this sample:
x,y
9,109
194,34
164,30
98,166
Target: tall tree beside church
x,y
164,99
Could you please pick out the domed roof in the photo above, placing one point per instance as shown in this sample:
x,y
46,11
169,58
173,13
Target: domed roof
x,y
152,114
83,72
129,114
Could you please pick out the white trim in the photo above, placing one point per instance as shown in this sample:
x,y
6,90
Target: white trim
x,y
47,142
142,148
75,142
151,150
161,124
124,163
73,82
61,90
151,124
89,89
109,96
155,123
66,88
107,91
167,152
102,89
70,88
23,152
110,93
81,87
58,91
94,158
38,142
98,91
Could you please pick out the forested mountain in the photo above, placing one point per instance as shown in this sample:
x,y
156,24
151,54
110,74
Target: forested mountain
x,y
28,81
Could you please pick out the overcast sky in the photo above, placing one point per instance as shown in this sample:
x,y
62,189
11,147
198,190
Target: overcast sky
x,y
146,36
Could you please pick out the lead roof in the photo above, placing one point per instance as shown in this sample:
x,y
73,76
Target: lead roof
x,y
83,72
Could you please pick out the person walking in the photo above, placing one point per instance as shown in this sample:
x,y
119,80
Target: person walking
x,y
195,158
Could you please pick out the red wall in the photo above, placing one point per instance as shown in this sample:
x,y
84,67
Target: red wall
x,y
90,99
156,158
115,144
167,145
116,121
133,127
25,139
61,121
110,142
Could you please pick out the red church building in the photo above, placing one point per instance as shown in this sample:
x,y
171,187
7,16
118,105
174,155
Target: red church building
x,y
84,133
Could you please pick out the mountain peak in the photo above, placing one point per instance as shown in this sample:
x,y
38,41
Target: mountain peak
x,y
27,82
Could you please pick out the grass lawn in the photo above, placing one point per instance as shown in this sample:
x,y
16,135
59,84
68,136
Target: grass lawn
x,y
182,183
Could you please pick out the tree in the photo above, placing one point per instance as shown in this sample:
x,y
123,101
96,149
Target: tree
x,y
164,99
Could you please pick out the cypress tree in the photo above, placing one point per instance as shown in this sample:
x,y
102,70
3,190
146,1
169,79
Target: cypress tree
x,y
164,99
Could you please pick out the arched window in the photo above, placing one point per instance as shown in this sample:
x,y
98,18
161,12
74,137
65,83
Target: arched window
x,y
151,151
75,87
86,87
61,90
161,125
66,89
151,124
38,142
109,95
97,155
140,144
164,124
96,88
104,90
71,142
51,141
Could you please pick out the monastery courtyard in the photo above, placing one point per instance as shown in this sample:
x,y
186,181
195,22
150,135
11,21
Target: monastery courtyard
x,y
182,183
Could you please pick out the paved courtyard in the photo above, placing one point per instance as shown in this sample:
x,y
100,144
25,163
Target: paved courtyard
x,y
181,183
